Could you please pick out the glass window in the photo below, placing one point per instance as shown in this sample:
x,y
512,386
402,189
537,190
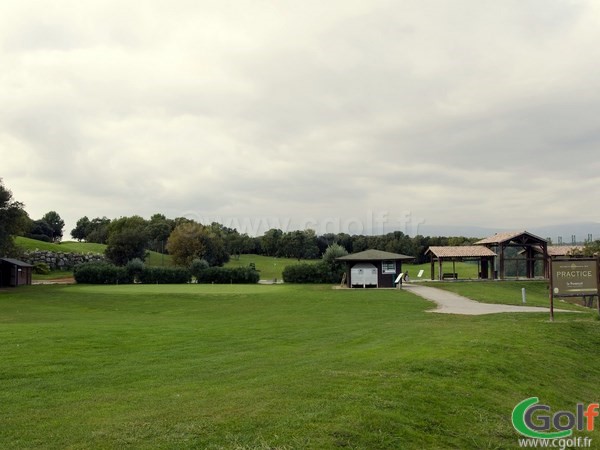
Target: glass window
x,y
388,267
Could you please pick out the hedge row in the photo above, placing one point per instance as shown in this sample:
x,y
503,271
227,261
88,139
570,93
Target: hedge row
x,y
101,273
105,273
164,275
226,275
311,273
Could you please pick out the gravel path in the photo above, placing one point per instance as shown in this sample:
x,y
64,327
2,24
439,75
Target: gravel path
x,y
451,303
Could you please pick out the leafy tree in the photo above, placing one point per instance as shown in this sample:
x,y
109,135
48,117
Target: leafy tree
x,y
158,230
82,228
271,241
335,268
126,245
13,220
191,240
592,248
127,239
127,223
56,224
98,230
41,231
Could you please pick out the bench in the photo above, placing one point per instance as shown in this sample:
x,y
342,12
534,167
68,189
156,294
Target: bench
x,y
450,276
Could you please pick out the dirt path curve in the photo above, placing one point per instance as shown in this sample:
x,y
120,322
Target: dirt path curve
x,y
451,303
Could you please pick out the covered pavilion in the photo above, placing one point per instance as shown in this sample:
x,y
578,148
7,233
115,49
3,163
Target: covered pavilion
x,y
532,248
483,255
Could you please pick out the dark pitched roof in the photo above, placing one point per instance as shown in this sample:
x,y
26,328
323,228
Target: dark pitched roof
x,y
373,255
500,238
463,251
15,262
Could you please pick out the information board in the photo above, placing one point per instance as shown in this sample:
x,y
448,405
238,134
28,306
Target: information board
x,y
575,277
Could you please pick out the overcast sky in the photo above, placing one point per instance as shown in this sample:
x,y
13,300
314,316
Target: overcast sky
x,y
328,113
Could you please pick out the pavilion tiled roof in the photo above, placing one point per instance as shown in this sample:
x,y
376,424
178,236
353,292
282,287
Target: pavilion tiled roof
x,y
463,251
507,236
563,250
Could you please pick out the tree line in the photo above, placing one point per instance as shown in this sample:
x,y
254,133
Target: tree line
x,y
186,240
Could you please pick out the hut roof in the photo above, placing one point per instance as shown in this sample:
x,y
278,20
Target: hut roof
x,y
374,255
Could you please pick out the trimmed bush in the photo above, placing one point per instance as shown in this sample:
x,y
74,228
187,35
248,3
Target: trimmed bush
x,y
311,273
101,273
134,268
164,275
304,273
41,268
227,275
197,266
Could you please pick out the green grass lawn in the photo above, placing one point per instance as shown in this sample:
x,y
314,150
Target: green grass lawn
x,y
269,267
287,366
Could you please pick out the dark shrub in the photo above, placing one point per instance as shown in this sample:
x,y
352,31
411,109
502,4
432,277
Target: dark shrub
x,y
226,275
134,268
197,266
311,273
101,273
164,275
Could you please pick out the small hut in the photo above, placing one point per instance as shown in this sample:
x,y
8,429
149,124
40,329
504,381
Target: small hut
x,y
14,273
373,268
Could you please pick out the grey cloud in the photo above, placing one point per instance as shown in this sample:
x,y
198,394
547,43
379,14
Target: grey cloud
x,y
440,108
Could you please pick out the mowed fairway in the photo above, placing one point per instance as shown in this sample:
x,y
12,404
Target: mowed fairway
x,y
239,367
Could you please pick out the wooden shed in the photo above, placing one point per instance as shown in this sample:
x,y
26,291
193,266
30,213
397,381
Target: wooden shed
x,y
14,272
373,268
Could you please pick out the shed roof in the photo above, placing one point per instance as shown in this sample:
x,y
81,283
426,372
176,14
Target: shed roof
x,y
16,262
374,255
501,238
463,251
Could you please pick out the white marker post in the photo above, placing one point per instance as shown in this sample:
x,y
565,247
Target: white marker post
x,y
523,295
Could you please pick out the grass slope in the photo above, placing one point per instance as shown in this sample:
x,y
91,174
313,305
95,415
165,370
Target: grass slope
x,y
66,247
198,366
153,259
269,267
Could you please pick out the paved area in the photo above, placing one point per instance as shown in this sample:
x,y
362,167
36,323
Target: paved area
x,y
451,303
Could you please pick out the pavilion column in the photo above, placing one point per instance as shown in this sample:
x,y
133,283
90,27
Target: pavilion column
x,y
432,267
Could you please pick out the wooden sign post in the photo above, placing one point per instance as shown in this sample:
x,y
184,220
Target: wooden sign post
x,y
573,277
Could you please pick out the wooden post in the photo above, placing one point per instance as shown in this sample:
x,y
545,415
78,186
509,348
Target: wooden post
x,y
551,294
432,268
501,262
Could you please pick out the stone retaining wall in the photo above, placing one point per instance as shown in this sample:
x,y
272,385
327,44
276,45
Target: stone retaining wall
x,y
61,260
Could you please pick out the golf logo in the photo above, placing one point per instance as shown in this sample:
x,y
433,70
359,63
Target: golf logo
x,y
535,420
